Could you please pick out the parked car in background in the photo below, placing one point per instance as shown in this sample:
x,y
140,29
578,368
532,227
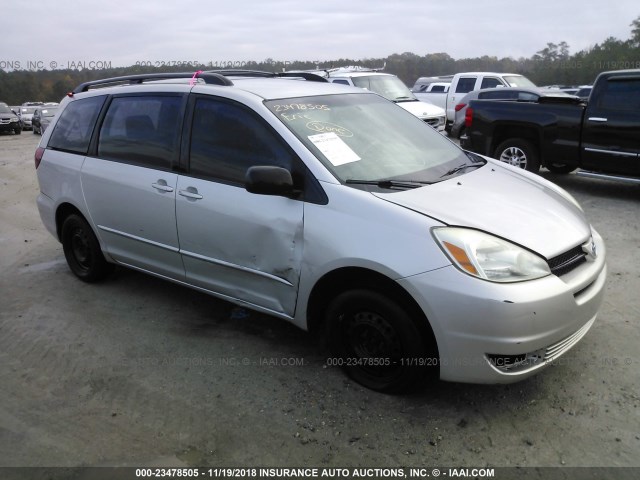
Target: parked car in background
x,y
584,92
390,87
463,83
601,136
42,117
515,94
435,87
26,116
9,121
423,83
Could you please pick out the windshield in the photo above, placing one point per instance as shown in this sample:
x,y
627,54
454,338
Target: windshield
x,y
27,110
49,112
365,137
519,81
5,109
389,86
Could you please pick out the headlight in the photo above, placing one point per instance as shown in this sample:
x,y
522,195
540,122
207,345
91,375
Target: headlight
x,y
491,258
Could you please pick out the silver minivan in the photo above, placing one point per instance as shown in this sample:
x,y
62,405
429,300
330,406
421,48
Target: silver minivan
x,y
329,207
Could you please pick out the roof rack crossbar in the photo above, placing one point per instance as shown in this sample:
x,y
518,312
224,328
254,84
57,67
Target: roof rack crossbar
x,y
208,77
310,77
261,74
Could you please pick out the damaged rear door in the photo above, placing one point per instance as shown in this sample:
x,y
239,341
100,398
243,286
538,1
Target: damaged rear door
x,y
239,245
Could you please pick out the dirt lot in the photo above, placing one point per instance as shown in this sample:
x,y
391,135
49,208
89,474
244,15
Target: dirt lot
x,y
137,371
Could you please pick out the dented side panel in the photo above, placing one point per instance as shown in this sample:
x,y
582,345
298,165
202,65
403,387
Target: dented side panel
x,y
245,246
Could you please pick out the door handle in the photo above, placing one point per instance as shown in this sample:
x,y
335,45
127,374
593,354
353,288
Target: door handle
x,y
191,193
162,186
597,119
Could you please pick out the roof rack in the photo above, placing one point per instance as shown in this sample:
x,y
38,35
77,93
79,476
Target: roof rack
x,y
311,77
208,77
212,77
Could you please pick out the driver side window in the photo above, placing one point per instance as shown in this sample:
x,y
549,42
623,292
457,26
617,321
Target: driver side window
x,y
227,139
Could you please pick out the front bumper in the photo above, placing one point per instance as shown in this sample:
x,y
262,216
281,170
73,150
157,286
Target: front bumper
x,y
435,122
501,333
9,126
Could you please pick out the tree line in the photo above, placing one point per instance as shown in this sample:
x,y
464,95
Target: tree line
x,y
552,65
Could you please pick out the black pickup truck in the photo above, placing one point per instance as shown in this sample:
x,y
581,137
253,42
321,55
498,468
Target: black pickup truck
x,y
601,136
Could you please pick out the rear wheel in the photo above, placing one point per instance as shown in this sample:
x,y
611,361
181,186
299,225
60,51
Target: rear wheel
x,y
375,341
82,250
519,153
560,168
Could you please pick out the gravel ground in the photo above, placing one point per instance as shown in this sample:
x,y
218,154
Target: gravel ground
x,y
137,371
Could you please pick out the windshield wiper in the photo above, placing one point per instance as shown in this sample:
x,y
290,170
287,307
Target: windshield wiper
x,y
459,168
388,183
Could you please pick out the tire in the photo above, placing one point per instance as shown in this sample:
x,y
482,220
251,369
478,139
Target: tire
x,y
560,168
82,250
18,132
365,327
518,153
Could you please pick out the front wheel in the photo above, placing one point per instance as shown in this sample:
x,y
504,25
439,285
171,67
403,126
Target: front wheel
x,y
82,250
519,153
376,342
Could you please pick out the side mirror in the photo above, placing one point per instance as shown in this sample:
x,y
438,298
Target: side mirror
x,y
269,180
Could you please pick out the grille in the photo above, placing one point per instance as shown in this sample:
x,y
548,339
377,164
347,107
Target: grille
x,y
567,261
434,122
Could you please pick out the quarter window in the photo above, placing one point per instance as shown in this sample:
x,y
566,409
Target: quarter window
x,y
141,130
73,131
227,139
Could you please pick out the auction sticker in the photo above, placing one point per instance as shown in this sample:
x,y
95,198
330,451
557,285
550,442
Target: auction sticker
x,y
334,148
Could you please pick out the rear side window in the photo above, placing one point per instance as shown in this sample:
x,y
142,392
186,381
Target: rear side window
x,y
465,84
142,130
490,82
620,95
73,131
438,88
227,139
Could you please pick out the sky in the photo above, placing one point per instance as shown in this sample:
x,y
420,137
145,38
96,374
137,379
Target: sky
x,y
89,33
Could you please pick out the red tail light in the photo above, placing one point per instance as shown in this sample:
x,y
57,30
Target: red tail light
x,y
38,156
460,106
468,117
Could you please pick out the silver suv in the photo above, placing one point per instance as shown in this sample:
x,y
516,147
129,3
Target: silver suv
x,y
329,207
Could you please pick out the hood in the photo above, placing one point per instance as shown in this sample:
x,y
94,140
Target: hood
x,y
422,109
501,200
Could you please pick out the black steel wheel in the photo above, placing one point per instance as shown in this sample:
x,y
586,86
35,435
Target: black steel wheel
x,y
376,342
82,250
